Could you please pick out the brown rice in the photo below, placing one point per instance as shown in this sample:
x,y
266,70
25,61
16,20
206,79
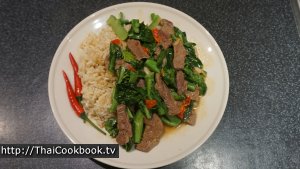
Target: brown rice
x,y
97,82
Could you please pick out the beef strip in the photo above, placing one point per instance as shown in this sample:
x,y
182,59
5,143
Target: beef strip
x,y
167,29
179,55
181,82
165,93
124,125
192,120
153,131
157,52
137,49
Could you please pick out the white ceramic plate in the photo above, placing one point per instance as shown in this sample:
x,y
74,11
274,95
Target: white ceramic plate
x,y
173,146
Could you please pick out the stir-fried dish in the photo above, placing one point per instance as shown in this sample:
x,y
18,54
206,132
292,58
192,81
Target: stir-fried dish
x,y
159,81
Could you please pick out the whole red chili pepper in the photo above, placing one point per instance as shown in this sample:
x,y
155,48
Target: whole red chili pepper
x,y
77,80
75,104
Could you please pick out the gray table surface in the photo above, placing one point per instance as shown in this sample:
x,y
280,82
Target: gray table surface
x,y
260,127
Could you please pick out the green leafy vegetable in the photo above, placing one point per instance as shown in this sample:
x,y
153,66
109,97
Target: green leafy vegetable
x,y
128,146
122,19
114,102
111,127
122,74
145,109
193,61
138,126
144,35
114,54
135,24
129,94
172,121
117,27
177,96
152,65
191,86
188,111
155,21
193,77
168,71
149,78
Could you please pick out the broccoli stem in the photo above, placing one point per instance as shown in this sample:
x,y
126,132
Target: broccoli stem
x,y
155,21
152,65
172,121
149,78
114,102
135,24
117,27
138,124
145,110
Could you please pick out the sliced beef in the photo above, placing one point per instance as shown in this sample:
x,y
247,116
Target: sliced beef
x,y
181,82
167,29
192,120
167,26
165,93
179,54
157,52
194,95
137,49
141,83
124,126
153,131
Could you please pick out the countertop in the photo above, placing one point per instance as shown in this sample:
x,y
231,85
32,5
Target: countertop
x,y
260,127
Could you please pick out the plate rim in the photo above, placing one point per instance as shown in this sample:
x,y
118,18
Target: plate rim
x,y
68,133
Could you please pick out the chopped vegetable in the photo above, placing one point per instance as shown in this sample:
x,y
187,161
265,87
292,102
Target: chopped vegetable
x,y
111,127
149,78
156,35
152,65
117,27
150,103
172,121
128,146
114,54
122,74
114,102
184,106
116,41
177,96
129,94
144,108
130,115
122,19
138,126
160,58
144,35
135,24
191,86
155,21
188,111
193,77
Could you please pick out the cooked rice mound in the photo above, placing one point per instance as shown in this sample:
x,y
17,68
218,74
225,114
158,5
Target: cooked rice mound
x,y
97,82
